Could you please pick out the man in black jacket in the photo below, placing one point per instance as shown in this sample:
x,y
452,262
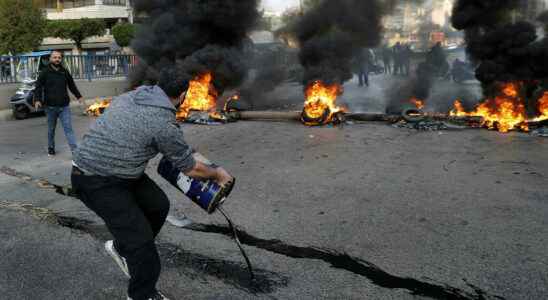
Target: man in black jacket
x,y
51,92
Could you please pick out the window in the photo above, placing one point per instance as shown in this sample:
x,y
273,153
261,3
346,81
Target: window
x,y
80,3
115,2
77,3
50,4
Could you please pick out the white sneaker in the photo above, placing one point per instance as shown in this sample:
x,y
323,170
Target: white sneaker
x,y
179,221
109,246
158,296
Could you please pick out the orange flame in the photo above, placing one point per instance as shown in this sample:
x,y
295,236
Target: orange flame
x,y
458,110
504,112
233,98
321,99
99,107
542,108
510,90
417,102
201,96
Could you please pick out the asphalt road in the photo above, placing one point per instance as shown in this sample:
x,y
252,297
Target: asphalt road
x,y
366,211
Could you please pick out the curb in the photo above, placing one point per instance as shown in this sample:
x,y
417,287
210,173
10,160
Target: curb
x,y
6,115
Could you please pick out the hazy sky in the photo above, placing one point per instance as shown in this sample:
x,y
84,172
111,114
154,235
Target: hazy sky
x,y
279,5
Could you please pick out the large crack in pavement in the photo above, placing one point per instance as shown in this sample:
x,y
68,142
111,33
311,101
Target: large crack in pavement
x,y
338,260
355,265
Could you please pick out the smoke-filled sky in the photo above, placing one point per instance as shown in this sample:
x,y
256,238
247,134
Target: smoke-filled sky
x,y
278,5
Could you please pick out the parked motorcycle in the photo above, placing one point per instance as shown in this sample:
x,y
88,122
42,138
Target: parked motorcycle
x,y
22,103
28,67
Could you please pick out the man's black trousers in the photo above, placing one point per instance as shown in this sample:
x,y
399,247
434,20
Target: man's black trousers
x,y
134,212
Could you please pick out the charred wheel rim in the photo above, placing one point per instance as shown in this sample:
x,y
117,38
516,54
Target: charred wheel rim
x,y
324,118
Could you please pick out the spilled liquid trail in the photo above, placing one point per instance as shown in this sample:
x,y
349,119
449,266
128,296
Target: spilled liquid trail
x,y
355,265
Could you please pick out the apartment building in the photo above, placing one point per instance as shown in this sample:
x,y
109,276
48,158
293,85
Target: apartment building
x,y
111,11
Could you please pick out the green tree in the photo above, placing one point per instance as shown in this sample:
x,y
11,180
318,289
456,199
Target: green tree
x,y
21,26
76,30
123,33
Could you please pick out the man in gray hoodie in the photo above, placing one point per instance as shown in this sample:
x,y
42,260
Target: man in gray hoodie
x,y
109,175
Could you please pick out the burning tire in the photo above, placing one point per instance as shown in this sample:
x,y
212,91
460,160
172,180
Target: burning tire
x,y
412,114
316,121
320,107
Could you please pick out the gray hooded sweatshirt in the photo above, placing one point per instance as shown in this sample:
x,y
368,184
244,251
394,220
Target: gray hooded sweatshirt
x,y
134,129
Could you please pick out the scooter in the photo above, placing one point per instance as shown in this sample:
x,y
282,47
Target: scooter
x,y
22,103
28,67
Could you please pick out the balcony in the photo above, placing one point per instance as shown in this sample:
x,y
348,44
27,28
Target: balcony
x,y
96,42
101,9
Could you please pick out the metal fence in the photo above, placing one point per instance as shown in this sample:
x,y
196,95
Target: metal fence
x,y
15,69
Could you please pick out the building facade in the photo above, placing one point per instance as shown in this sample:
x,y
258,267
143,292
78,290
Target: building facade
x,y
111,11
413,22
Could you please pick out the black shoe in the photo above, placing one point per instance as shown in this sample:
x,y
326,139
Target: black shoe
x,y
51,151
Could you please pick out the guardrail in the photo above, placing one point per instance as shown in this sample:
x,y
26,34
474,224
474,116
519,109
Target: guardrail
x,y
14,69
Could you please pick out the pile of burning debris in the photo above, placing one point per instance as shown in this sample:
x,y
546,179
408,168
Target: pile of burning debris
x,y
98,107
504,113
507,111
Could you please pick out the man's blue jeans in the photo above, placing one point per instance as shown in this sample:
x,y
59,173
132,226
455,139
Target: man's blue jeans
x,y
62,113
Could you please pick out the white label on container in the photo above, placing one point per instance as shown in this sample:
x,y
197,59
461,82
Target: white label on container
x,y
184,182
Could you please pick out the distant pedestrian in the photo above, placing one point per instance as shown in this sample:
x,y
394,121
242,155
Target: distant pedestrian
x,y
437,59
406,54
5,68
364,60
397,54
51,92
387,59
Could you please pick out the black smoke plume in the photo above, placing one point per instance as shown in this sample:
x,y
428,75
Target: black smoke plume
x,y
503,50
271,68
504,46
193,36
331,34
